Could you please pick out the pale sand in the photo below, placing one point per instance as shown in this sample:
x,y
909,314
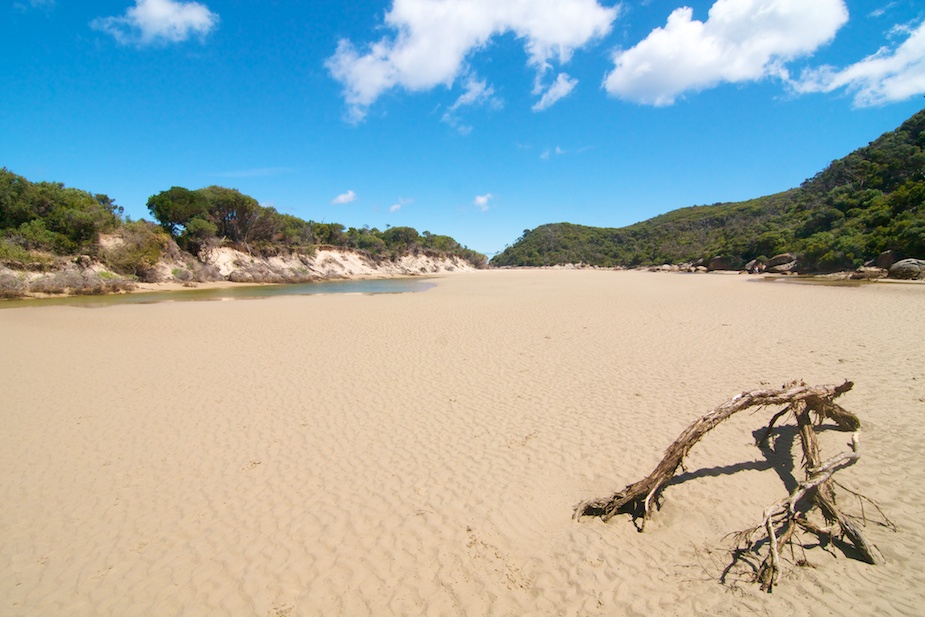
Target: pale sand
x,y
420,454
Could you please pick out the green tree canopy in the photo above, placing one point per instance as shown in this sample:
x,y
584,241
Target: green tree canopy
x,y
867,202
49,216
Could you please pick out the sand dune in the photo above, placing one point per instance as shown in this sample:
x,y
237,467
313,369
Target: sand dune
x,y
420,454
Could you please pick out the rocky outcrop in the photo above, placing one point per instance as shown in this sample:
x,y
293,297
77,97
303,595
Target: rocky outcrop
x,y
783,263
886,259
909,269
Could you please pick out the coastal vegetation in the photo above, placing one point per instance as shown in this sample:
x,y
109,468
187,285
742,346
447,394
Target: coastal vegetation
x,y
83,243
869,202
215,215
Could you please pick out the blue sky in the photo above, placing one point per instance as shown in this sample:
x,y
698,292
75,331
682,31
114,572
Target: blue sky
x,y
472,118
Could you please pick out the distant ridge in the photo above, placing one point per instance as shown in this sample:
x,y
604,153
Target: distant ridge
x,y
869,202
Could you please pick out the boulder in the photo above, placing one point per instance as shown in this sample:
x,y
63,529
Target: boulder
x,y
913,269
886,259
785,262
779,260
720,263
754,267
867,273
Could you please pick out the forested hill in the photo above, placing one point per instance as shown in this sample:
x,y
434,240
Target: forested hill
x,y
871,201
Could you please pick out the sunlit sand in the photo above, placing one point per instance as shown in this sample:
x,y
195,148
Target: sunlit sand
x,y
421,453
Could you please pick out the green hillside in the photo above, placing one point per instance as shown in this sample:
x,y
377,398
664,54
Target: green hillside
x,y
871,201
45,224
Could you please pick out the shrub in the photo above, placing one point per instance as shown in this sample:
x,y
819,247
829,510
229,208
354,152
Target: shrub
x,y
79,283
205,273
142,245
11,286
181,274
12,252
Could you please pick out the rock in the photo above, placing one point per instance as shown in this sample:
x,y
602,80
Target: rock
x,y
84,261
783,258
910,269
867,273
886,259
786,268
754,267
720,263
785,262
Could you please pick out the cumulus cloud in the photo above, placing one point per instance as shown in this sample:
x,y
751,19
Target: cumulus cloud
x,y
344,198
741,40
890,75
481,201
153,21
432,39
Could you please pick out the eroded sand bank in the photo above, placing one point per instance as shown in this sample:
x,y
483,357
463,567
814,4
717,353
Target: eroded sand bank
x,y
422,453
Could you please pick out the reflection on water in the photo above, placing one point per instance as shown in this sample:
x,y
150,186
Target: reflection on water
x,y
238,292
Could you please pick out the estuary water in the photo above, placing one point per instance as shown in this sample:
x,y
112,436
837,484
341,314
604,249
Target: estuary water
x,y
236,292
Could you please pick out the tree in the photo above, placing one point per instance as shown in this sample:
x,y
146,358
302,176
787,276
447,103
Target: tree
x,y
238,217
331,234
400,237
48,216
176,207
293,231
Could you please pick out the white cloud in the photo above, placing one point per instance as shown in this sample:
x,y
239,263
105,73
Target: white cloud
x,y
477,92
741,40
344,198
432,40
34,4
152,21
481,201
549,151
881,11
887,76
560,89
400,204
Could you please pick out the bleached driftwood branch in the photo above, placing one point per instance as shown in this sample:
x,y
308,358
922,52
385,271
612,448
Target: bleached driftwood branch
x,y
806,404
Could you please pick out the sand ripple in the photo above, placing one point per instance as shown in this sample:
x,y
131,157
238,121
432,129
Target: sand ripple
x,y
421,454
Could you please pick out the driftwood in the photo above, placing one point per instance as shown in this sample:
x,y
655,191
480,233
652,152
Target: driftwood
x,y
781,520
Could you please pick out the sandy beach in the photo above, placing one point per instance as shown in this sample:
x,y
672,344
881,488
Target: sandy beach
x,y
421,453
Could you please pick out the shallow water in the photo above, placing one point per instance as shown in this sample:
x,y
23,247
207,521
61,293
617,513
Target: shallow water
x,y
238,292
